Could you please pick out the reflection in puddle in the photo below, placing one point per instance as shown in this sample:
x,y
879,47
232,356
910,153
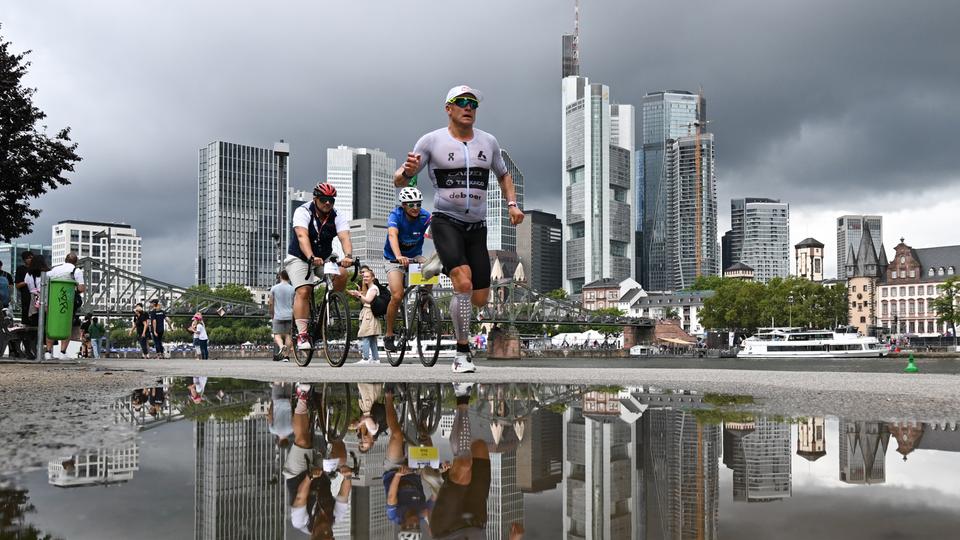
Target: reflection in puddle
x,y
366,460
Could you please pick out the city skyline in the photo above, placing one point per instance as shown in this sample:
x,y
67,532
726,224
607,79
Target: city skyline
x,y
778,98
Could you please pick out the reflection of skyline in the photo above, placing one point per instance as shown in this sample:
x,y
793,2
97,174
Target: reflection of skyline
x,y
681,474
96,467
540,456
758,453
863,449
812,438
238,492
368,500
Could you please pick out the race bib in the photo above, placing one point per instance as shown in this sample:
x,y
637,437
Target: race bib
x,y
423,456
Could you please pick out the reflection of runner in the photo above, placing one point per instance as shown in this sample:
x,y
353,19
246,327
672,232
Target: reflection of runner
x,y
461,507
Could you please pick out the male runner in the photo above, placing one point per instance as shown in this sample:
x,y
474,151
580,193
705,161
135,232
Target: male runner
x,y
406,228
459,159
315,225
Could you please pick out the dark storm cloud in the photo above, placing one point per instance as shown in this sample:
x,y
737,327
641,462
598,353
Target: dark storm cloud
x,y
810,100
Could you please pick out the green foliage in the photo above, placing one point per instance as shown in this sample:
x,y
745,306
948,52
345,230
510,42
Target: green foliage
x,y
607,389
721,400
604,329
946,304
122,337
748,305
205,409
233,291
31,161
221,336
719,416
707,283
557,294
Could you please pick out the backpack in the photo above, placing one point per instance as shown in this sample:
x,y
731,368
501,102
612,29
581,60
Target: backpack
x,y
381,302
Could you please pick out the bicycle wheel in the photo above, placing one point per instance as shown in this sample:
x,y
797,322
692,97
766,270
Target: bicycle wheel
x,y
428,329
427,408
403,330
335,325
335,411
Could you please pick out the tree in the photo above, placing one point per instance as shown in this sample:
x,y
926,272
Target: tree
x,y
707,283
557,294
31,161
233,291
946,304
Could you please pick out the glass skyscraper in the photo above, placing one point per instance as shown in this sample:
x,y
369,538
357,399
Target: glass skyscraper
x,y
760,236
364,181
242,200
667,117
849,231
501,235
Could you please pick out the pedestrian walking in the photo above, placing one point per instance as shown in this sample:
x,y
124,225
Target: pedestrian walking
x,y
20,283
69,270
369,323
141,328
280,304
200,340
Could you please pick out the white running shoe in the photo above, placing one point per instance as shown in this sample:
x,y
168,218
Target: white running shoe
x,y
361,362
431,267
462,389
48,356
303,342
463,364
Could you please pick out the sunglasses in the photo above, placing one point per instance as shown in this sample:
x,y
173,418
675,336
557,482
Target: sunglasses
x,y
330,200
463,102
412,204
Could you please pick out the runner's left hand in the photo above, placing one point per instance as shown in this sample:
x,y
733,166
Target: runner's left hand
x,y
516,215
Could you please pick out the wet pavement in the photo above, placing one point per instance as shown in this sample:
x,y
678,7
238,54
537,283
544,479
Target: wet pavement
x,y
206,457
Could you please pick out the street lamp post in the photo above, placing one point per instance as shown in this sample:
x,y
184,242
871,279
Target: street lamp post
x,y
790,309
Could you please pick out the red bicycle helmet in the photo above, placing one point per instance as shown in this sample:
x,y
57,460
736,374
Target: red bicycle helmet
x,y
324,189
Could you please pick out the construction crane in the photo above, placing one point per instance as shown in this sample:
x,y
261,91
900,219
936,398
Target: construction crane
x,y
698,126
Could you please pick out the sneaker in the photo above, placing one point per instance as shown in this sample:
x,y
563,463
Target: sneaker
x,y
431,267
286,358
303,391
462,389
277,357
361,362
303,342
463,364
388,343
48,355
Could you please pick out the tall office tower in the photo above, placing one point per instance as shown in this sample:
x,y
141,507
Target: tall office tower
x,y
501,235
368,500
368,237
540,455
295,199
760,460
242,201
760,236
116,244
601,484
691,249
681,491
239,487
849,230
364,182
667,116
505,501
540,246
726,252
598,182
639,269
863,449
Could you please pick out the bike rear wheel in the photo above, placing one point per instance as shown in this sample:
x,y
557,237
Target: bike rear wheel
x,y
335,325
428,329
335,411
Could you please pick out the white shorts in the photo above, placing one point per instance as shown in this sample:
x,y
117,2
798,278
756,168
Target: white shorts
x,y
297,270
298,460
396,267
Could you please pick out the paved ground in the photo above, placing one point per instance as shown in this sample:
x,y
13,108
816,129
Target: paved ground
x,y
52,409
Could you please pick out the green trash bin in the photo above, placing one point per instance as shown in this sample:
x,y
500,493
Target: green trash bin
x,y
60,308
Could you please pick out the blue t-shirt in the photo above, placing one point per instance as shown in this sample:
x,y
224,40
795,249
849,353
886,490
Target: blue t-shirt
x,y
410,496
410,233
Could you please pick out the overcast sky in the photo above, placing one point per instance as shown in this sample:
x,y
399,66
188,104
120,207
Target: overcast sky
x,y
834,107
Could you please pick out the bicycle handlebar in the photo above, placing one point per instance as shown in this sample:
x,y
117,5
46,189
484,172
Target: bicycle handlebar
x,y
334,259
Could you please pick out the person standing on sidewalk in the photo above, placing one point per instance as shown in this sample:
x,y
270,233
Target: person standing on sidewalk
x,y
69,270
369,323
141,327
158,319
460,159
200,340
20,282
280,304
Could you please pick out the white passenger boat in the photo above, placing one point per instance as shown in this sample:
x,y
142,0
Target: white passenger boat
x,y
799,343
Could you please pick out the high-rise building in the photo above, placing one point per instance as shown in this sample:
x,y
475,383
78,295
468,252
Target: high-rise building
x,y
239,487
691,249
364,179
501,235
598,183
667,116
295,199
242,201
540,455
760,236
760,460
863,451
368,237
849,230
116,244
505,501
540,246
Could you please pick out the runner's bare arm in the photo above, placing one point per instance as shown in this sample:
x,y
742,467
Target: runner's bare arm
x,y
509,195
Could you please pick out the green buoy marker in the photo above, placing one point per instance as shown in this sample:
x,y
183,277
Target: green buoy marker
x,y
911,366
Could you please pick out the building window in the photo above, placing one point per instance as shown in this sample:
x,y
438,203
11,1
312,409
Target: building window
x,y
940,271
950,271
893,274
912,274
883,292
929,289
863,319
930,272
853,288
903,291
883,308
903,274
893,291
911,291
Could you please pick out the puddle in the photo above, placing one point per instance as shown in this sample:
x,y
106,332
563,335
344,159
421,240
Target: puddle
x,y
227,458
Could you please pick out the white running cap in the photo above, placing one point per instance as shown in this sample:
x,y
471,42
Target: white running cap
x,y
461,90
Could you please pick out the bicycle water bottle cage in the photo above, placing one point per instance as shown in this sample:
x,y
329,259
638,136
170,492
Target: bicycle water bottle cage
x,y
331,269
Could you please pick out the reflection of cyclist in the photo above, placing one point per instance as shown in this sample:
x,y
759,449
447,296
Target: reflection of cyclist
x,y
315,225
461,507
406,228
459,159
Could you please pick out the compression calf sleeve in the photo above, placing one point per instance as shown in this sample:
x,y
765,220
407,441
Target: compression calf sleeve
x,y
461,312
460,436
302,325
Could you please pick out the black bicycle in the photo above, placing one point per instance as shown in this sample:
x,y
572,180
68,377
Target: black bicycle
x,y
329,325
422,323
420,407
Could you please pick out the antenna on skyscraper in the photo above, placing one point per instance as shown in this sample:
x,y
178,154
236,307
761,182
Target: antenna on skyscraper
x,y
576,31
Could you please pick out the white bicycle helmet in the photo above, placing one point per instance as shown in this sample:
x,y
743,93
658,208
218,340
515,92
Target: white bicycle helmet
x,y
408,535
410,194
